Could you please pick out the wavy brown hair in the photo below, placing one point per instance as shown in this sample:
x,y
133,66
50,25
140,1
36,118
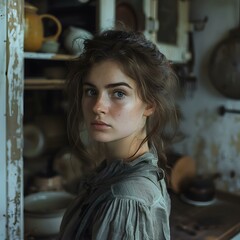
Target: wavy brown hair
x,y
142,61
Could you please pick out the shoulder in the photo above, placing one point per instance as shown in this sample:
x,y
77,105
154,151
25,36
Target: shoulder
x,y
139,188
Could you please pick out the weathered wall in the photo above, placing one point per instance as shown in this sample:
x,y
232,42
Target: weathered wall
x,y
212,140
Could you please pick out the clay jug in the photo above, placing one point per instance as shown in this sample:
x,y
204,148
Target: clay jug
x,y
34,28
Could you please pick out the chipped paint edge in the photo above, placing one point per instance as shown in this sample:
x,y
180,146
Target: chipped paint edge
x,y
3,202
14,116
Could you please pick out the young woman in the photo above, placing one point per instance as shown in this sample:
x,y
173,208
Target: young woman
x,y
122,92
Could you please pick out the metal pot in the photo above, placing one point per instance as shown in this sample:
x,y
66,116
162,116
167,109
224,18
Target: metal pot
x,y
200,190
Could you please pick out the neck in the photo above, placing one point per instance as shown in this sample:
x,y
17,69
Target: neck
x,y
126,149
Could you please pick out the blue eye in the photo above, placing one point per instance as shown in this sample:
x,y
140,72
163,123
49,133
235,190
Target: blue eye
x,y
119,94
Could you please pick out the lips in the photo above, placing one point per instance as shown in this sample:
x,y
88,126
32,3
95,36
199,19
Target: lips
x,y
100,125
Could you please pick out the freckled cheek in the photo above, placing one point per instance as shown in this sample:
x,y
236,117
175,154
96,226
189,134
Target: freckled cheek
x,y
116,113
123,115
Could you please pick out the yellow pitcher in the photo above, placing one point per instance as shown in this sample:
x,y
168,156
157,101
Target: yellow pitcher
x,y
34,29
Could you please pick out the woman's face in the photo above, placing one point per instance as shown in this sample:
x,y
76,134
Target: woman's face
x,y
111,106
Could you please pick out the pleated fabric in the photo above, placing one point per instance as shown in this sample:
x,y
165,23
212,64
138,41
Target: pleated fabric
x,y
120,201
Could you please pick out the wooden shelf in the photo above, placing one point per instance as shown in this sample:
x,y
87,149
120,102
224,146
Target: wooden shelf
x,y
47,56
43,84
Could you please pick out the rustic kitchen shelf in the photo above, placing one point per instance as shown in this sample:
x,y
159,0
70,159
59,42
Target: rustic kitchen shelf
x,y
47,56
43,84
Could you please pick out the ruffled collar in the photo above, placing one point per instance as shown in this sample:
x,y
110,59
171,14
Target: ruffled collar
x,y
116,170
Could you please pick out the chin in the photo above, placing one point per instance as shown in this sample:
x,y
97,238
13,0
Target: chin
x,y
101,138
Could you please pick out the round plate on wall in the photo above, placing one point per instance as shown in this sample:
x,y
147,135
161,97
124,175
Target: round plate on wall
x,y
129,14
224,66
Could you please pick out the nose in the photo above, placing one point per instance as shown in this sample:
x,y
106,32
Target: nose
x,y
101,105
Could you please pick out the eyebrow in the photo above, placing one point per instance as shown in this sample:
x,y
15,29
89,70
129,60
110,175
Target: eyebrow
x,y
111,85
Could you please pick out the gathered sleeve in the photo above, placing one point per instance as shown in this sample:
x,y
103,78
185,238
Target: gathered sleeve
x,y
130,219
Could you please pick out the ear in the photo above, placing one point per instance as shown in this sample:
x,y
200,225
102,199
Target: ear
x,y
149,110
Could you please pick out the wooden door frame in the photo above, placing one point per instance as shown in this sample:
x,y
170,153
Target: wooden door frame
x,y
11,117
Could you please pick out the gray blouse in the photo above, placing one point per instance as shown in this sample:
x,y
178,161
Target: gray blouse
x,y
122,201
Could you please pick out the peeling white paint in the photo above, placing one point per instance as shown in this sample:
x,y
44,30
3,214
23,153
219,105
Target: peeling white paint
x,y
13,141
14,198
3,200
15,91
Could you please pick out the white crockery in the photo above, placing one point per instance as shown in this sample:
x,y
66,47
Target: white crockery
x,y
74,38
50,46
43,212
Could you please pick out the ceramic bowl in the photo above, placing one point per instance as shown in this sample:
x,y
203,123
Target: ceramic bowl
x,y
74,38
50,47
43,212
